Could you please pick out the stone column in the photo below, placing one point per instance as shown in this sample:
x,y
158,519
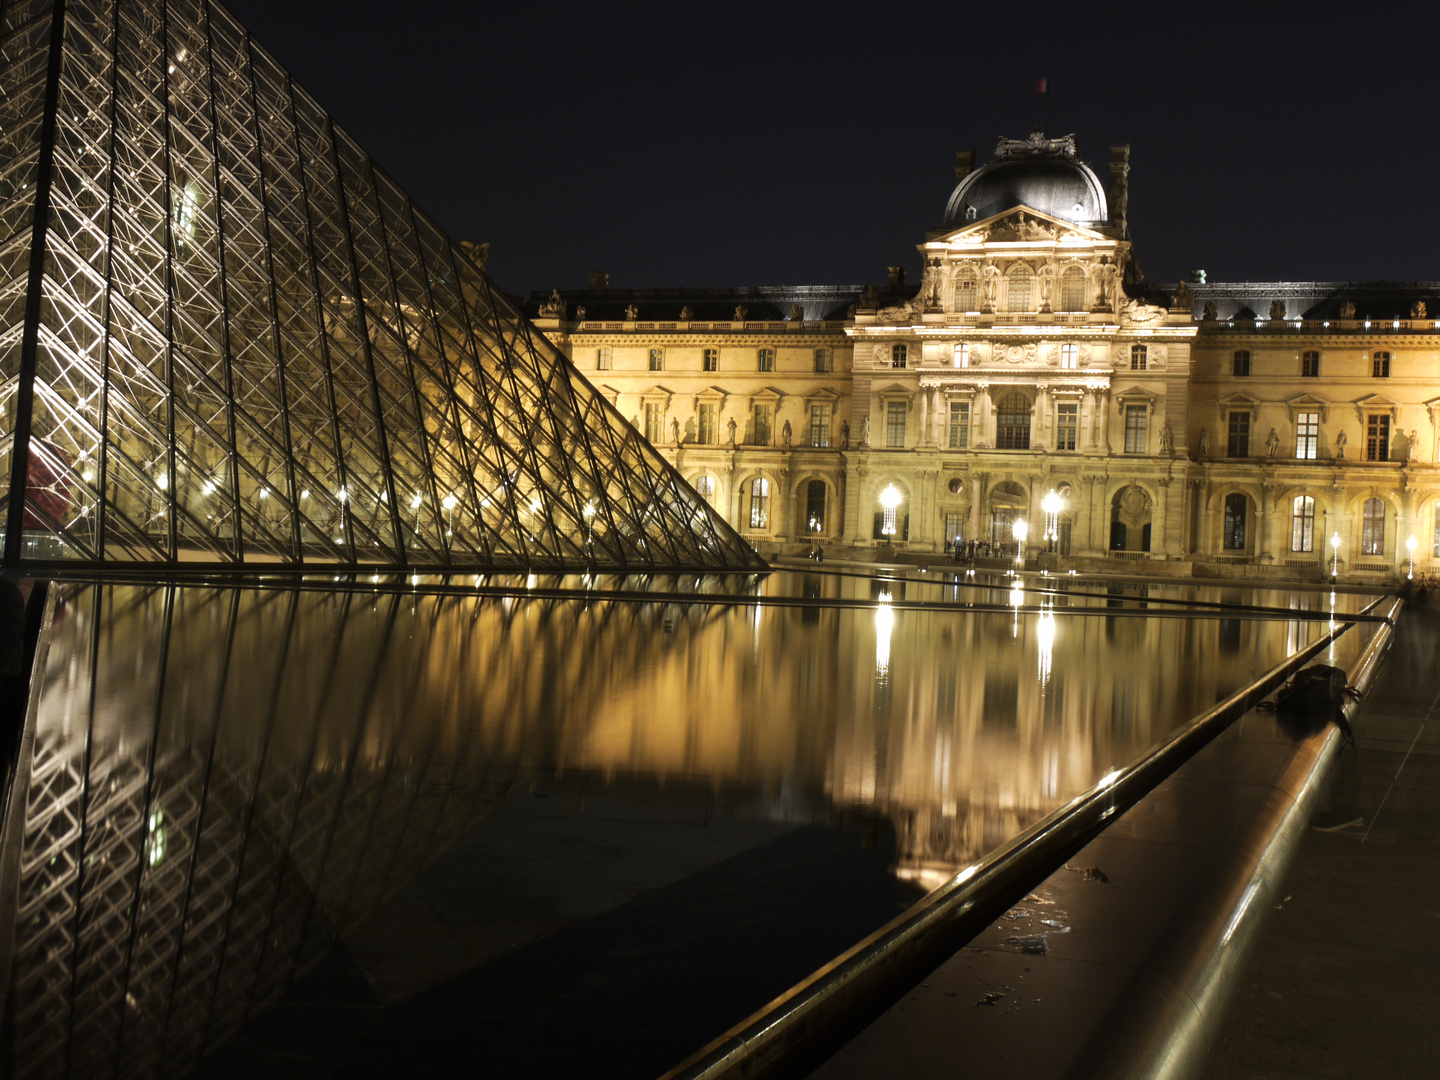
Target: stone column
x,y
977,503
782,527
728,496
857,522
1044,418
924,439
1158,532
1262,525
984,421
1102,402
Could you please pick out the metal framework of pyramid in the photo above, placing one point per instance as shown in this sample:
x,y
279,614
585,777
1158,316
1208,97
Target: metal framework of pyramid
x,y
227,339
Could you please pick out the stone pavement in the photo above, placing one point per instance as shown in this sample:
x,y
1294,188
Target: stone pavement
x,y
1344,979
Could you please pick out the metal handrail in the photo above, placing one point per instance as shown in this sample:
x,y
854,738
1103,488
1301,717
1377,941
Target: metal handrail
x,y
799,1029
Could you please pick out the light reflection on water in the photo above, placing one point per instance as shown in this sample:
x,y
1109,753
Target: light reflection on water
x,y
225,779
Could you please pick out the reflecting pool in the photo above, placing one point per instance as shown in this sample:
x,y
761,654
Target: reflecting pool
x,y
233,791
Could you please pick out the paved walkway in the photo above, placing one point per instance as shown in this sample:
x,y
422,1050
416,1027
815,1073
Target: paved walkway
x,y
1344,980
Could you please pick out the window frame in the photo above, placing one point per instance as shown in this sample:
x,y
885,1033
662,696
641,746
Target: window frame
x,y
1372,527
895,424
1233,528
967,281
704,486
709,359
603,358
899,355
657,359
1302,524
1380,364
1072,276
959,425
1069,357
760,503
1378,436
1011,436
1020,301
1240,364
962,355
1310,364
1139,358
762,434
712,429
822,361
1062,428
1237,435
765,359
820,424
811,524
1137,429
654,413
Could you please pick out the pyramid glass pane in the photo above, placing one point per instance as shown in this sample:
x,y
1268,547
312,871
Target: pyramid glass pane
x,y
228,339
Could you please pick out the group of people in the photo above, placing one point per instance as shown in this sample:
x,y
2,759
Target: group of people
x,y
962,550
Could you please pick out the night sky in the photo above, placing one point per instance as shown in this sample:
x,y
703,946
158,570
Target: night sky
x,y
726,144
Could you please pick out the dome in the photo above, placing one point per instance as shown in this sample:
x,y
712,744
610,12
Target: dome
x,y
1040,173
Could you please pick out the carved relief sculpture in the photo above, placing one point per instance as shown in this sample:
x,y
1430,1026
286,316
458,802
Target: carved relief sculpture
x,y
1347,310
686,314
1277,310
1413,450
1418,310
631,312
797,313
1209,310
740,312
1182,298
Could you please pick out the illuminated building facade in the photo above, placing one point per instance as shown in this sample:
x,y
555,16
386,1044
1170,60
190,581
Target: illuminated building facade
x,y
1226,429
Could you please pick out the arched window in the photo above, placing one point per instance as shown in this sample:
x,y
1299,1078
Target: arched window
x,y
705,488
759,503
967,290
1233,538
1072,290
1012,423
1372,528
1021,290
1302,524
815,506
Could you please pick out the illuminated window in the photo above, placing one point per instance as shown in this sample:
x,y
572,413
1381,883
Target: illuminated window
x,y
1021,292
602,359
1069,357
1242,362
1377,438
705,488
1307,435
1138,354
822,360
967,292
707,426
1234,535
1067,424
1137,419
815,506
762,417
1380,365
895,424
1302,524
767,359
1310,365
1072,290
898,354
657,359
711,361
654,421
962,355
1239,441
1372,528
759,503
819,425
1012,423
959,425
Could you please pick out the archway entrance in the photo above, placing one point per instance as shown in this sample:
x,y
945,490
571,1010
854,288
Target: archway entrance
x,y
1130,520
1008,504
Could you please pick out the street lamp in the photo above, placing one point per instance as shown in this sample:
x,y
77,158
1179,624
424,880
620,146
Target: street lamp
x,y
1335,564
1021,530
1052,504
1411,545
889,499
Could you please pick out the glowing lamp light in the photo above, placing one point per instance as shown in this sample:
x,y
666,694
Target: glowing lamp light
x,y
1411,545
415,502
1021,529
162,481
1335,563
889,500
449,502
1052,504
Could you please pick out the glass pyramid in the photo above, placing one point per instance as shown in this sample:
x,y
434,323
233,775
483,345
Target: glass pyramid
x,y
228,339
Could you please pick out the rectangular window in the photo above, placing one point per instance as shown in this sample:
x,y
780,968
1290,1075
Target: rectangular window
x,y
706,432
657,359
822,360
1233,537
1239,443
1138,355
767,360
1067,425
1242,362
654,421
967,292
602,359
1136,422
711,361
898,355
1380,367
895,424
1377,438
954,525
1310,365
1069,357
819,425
1307,435
959,425
762,416
962,355
1302,524
1372,528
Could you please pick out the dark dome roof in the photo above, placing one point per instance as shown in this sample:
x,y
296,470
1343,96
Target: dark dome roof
x,y
1043,174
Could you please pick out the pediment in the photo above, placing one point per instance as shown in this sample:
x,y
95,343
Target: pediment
x,y
1239,398
824,394
768,393
1309,403
1134,392
711,392
1020,224
894,388
1374,401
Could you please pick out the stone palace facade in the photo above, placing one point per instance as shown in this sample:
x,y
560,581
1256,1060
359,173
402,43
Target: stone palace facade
x,y
1214,429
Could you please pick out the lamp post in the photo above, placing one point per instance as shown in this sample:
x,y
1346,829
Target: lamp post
x,y
1335,563
1021,530
1411,545
889,499
1052,505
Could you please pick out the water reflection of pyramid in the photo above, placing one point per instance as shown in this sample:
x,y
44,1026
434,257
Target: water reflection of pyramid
x,y
227,338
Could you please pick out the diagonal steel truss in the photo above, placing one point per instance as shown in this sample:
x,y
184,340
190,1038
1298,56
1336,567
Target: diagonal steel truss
x,y
227,339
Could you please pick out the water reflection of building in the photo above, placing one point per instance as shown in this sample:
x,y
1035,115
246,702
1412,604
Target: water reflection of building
x,y
1232,425
225,780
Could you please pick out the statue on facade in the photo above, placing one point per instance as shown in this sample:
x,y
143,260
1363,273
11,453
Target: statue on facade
x,y
631,312
1277,310
730,427
845,435
1047,280
865,433
1340,441
580,312
1272,443
1210,310
740,312
785,435
1105,278
1167,440
675,432
1418,311
1204,443
553,307
1182,299
479,252
1347,310
1413,449
797,313
991,273
686,314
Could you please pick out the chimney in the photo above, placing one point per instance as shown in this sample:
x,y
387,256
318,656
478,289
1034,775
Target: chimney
x,y
964,163
599,279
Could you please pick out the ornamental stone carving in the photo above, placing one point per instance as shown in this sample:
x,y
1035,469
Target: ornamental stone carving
x,y
1019,354
1277,310
1134,508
